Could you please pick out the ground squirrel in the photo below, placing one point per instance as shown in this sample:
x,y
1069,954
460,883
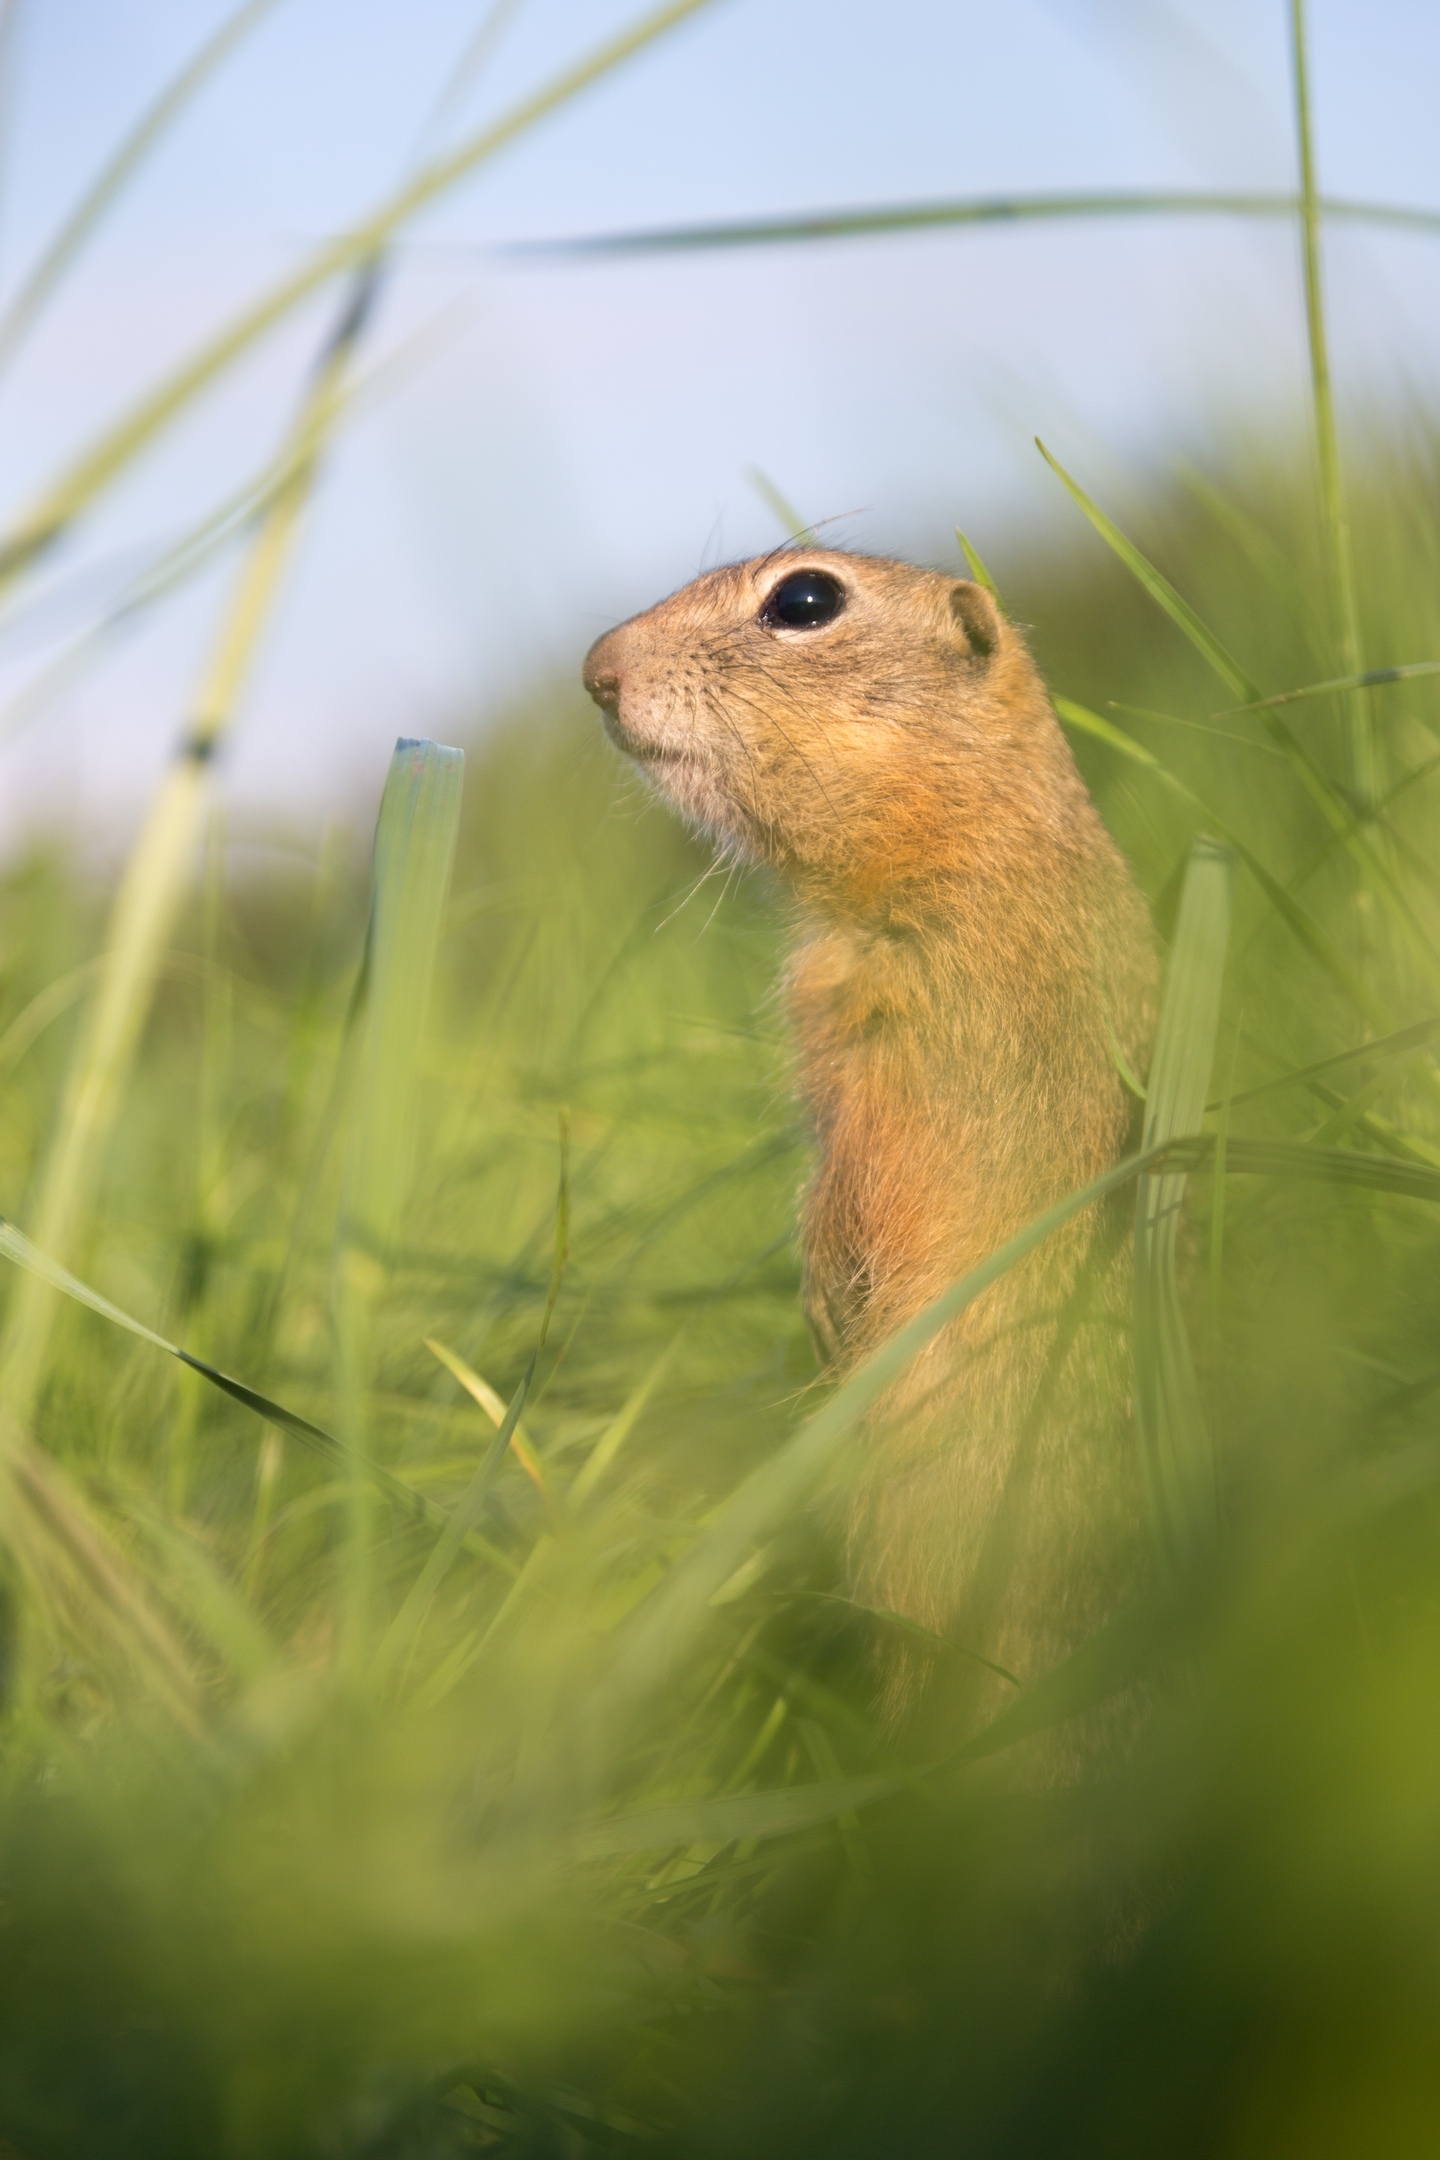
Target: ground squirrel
x,y
971,954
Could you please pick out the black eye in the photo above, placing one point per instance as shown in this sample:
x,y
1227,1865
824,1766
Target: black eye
x,y
804,601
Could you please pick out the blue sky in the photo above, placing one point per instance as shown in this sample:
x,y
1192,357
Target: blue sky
x,y
575,439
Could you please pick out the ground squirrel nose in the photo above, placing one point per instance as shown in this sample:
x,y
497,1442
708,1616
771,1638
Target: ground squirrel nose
x,y
601,677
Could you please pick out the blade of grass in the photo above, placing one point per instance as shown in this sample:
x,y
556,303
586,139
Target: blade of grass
x,y
212,1603
1394,1045
217,530
1316,940
972,210
1217,1190
109,183
80,1579
154,884
1365,771
473,60
59,504
410,883
618,1431
724,1820
786,516
1301,1159
1370,679
493,1405
1175,1444
406,1625
417,1506
1337,813
976,567
1154,582
1195,727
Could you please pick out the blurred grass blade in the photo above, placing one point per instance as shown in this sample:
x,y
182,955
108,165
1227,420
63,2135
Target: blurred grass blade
x,y
857,223
155,881
976,567
464,1517
214,1607
1315,939
1385,1046
414,851
560,1257
618,1431
474,58
210,535
16,1247
1132,1646
786,516
1361,1172
723,1820
1364,767
57,506
1337,813
1370,679
82,1583
1175,1445
410,884
1161,591
109,183
1217,1188
481,1392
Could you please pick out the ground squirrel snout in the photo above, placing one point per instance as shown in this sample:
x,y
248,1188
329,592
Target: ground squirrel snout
x,y
971,952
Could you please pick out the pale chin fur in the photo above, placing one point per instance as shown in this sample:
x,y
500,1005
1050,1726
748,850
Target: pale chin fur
x,y
685,780
688,785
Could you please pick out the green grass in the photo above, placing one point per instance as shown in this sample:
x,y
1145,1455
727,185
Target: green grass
x,y
432,1719
602,1847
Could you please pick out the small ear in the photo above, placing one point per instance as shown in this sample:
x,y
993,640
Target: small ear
x,y
976,616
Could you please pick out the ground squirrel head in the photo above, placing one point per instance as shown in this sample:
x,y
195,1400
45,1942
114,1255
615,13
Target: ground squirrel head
x,y
868,727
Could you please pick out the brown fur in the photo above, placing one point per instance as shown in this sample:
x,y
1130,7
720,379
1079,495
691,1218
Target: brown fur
x,y
970,941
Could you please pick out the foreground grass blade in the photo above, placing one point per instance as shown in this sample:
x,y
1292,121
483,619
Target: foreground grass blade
x,y
1370,679
1315,939
1337,813
414,850
62,502
972,210
215,532
156,879
1365,772
1161,591
1303,1159
410,883
1175,1445
109,183
16,1247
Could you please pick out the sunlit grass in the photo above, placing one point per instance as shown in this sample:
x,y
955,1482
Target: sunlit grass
x,y
434,1718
